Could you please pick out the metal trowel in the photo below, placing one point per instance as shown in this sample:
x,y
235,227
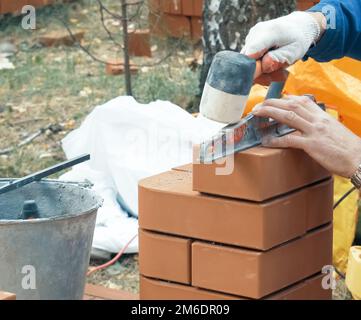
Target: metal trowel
x,y
226,92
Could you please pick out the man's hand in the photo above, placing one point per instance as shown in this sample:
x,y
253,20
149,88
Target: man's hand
x,y
320,135
283,41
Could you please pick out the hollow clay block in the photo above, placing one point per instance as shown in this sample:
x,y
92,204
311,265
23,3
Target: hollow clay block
x,y
255,274
258,174
7,296
167,204
150,289
164,257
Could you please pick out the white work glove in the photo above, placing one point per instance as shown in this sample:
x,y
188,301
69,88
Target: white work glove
x,y
286,39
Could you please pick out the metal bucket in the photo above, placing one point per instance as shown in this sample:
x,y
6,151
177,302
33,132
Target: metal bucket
x,y
47,258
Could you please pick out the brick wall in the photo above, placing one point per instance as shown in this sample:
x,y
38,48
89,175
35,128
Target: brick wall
x,y
263,232
176,18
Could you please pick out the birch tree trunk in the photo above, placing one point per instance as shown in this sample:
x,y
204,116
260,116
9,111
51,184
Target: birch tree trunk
x,y
226,24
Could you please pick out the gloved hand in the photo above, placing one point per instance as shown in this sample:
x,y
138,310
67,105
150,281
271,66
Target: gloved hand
x,y
285,40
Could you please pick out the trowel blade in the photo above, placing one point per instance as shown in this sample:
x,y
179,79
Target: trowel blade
x,y
245,135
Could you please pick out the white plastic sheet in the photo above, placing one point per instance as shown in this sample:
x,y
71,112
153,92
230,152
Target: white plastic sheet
x,y
129,141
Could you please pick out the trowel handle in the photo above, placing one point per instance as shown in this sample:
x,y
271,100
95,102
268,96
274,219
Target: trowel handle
x,y
278,80
275,90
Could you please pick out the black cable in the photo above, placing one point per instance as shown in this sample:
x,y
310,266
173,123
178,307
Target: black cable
x,y
342,275
347,194
344,197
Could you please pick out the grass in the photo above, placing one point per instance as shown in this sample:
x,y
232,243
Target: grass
x,y
62,85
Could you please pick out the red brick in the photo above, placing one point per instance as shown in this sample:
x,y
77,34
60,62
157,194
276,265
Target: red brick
x,y
93,292
319,205
7,296
117,68
197,31
184,168
192,8
11,6
310,289
198,8
139,43
255,274
15,6
259,174
163,257
167,25
154,6
167,204
171,6
305,4
56,38
159,290
187,7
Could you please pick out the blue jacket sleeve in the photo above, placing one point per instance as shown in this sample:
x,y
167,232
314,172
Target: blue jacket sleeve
x,y
343,36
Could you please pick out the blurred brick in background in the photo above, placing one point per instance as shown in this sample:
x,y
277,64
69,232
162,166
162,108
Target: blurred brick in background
x,y
168,18
176,18
15,6
183,18
139,43
306,4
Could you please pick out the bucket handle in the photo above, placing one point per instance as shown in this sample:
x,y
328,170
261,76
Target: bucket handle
x,y
16,184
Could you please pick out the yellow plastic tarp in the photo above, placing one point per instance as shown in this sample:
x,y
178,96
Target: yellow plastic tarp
x,y
257,95
337,83
344,224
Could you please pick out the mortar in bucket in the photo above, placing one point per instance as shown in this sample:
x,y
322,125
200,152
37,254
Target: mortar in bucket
x,y
47,256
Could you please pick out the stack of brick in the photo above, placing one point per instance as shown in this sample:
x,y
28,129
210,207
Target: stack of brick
x,y
183,18
15,6
176,18
263,232
306,4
